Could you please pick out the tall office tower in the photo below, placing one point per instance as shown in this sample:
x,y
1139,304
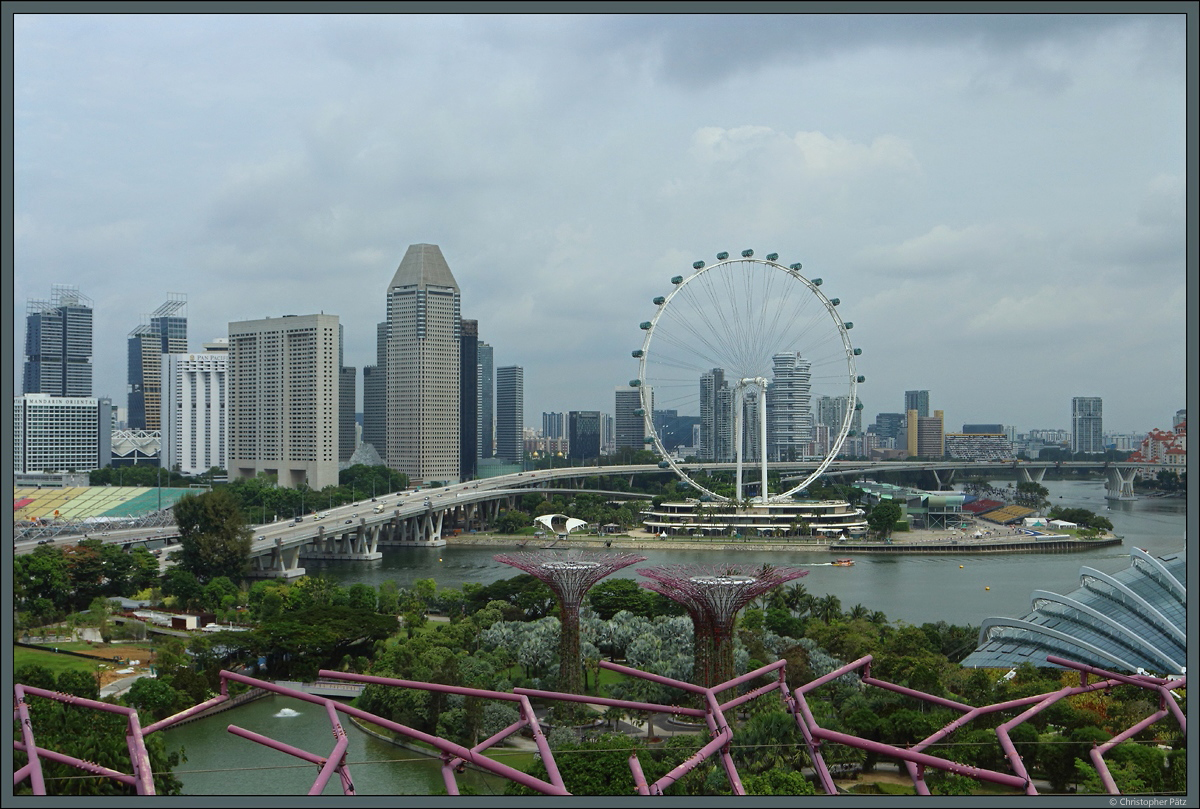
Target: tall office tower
x,y
347,398
375,395
510,413
554,425
195,409
283,399
424,328
789,412
926,434
1087,433
751,427
61,433
889,426
630,428
58,344
487,400
165,333
710,383
468,401
374,408
608,432
917,400
1180,417
583,434
723,447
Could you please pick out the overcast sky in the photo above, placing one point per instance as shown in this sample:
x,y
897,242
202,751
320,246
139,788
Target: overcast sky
x,y
998,201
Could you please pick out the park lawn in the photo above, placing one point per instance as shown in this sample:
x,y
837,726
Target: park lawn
x,y
56,663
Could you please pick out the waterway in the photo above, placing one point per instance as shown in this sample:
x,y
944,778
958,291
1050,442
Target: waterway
x,y
914,589
220,763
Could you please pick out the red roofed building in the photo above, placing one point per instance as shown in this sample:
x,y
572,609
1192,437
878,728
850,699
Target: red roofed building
x,y
1168,448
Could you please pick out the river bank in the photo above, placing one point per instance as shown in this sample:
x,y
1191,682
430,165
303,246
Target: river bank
x,y
997,539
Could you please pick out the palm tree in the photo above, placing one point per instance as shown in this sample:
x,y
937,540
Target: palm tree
x,y
793,596
829,608
858,611
878,618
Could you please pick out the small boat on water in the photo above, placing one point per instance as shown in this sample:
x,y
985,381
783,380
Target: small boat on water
x,y
843,562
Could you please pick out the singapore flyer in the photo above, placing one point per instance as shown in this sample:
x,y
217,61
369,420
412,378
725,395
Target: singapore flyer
x,y
762,357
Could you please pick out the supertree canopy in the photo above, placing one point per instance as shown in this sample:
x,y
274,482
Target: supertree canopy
x,y
569,575
713,595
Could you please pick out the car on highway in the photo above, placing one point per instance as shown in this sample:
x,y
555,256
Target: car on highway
x,y
349,522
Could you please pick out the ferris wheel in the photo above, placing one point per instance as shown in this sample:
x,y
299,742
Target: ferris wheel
x,y
760,353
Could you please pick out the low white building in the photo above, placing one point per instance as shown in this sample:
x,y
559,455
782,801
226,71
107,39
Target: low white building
x,y
61,433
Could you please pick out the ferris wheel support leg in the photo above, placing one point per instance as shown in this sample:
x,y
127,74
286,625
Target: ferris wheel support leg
x,y
762,441
737,436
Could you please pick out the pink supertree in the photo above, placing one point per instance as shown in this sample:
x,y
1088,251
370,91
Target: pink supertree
x,y
713,596
569,575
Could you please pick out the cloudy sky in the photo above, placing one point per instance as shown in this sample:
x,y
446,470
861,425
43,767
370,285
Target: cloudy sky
x,y
998,201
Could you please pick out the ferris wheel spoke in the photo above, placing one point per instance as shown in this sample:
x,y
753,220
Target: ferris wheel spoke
x,y
738,317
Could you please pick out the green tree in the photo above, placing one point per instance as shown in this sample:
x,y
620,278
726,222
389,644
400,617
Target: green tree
x,y
213,535
883,518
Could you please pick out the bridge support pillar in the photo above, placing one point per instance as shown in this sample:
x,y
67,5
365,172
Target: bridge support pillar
x,y
1027,475
358,543
421,530
1119,485
281,563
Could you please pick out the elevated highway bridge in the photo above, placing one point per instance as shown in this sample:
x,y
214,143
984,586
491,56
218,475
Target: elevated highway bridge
x,y
417,518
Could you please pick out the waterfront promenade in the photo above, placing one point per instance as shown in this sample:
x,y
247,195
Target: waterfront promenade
x,y
993,539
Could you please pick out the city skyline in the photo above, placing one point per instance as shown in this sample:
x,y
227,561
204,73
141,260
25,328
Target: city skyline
x,y
1004,190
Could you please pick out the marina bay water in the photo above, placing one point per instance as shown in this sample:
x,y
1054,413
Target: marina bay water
x,y
913,588
910,588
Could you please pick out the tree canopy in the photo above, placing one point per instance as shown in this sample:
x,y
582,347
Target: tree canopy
x,y
213,534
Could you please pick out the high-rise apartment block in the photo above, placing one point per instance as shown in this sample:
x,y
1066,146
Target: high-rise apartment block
x,y
284,399
58,344
510,413
554,425
468,400
424,329
917,400
1087,427
61,433
195,409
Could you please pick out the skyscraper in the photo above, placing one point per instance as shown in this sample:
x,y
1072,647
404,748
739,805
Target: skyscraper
x,y
424,328
583,438
283,399
58,344
510,413
195,409
1087,428
789,411
710,383
917,400
347,398
554,425
630,427
468,400
487,400
375,395
165,333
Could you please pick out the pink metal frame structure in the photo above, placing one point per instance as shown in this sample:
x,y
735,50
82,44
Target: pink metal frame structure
x,y
915,761
455,757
